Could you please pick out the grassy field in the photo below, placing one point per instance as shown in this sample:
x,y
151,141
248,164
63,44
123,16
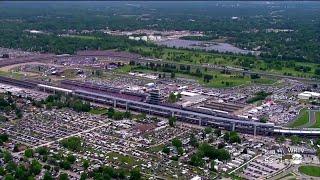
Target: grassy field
x,y
303,118
98,111
219,80
310,170
317,124
156,149
127,160
11,74
288,176
198,57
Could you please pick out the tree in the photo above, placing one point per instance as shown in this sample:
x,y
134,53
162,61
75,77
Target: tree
x,y
19,113
172,98
35,167
166,150
85,164
4,137
42,150
110,112
208,130
2,171
47,176
180,150
223,155
176,142
7,156
65,164
72,143
212,164
127,115
135,174
207,78
317,71
193,141
280,139
28,153
205,150
263,119
217,132
172,121
83,176
172,75
11,167
295,139
63,176
9,177
226,136
21,172
71,159
196,160
31,178
234,137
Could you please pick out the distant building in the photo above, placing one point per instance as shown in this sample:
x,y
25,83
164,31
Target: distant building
x,y
307,95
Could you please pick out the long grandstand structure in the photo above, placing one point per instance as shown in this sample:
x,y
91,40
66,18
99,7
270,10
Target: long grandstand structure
x,y
135,102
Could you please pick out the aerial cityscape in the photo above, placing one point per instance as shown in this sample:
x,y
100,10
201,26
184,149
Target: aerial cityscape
x,y
159,90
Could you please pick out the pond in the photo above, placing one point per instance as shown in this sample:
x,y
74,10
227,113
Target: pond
x,y
204,45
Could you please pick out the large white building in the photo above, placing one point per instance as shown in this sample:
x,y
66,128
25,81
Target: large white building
x,y
307,95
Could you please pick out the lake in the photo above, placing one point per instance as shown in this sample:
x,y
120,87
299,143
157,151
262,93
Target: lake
x,y
204,45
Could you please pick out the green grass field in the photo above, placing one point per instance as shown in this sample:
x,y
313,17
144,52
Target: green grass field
x,y
98,111
317,124
219,80
191,57
11,74
303,118
287,176
310,170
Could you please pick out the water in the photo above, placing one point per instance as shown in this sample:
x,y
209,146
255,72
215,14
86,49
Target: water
x,y
204,45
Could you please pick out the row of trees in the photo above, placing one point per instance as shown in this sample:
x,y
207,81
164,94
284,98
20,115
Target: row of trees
x,y
206,150
73,143
173,69
118,115
12,170
60,101
106,172
258,97
8,104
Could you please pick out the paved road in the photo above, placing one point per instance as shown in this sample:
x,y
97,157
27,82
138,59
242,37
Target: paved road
x,y
244,164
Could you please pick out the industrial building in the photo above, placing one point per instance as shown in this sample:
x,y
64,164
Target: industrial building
x,y
308,95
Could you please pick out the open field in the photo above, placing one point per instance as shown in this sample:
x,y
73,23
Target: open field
x,y
310,170
317,124
252,63
302,119
219,80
